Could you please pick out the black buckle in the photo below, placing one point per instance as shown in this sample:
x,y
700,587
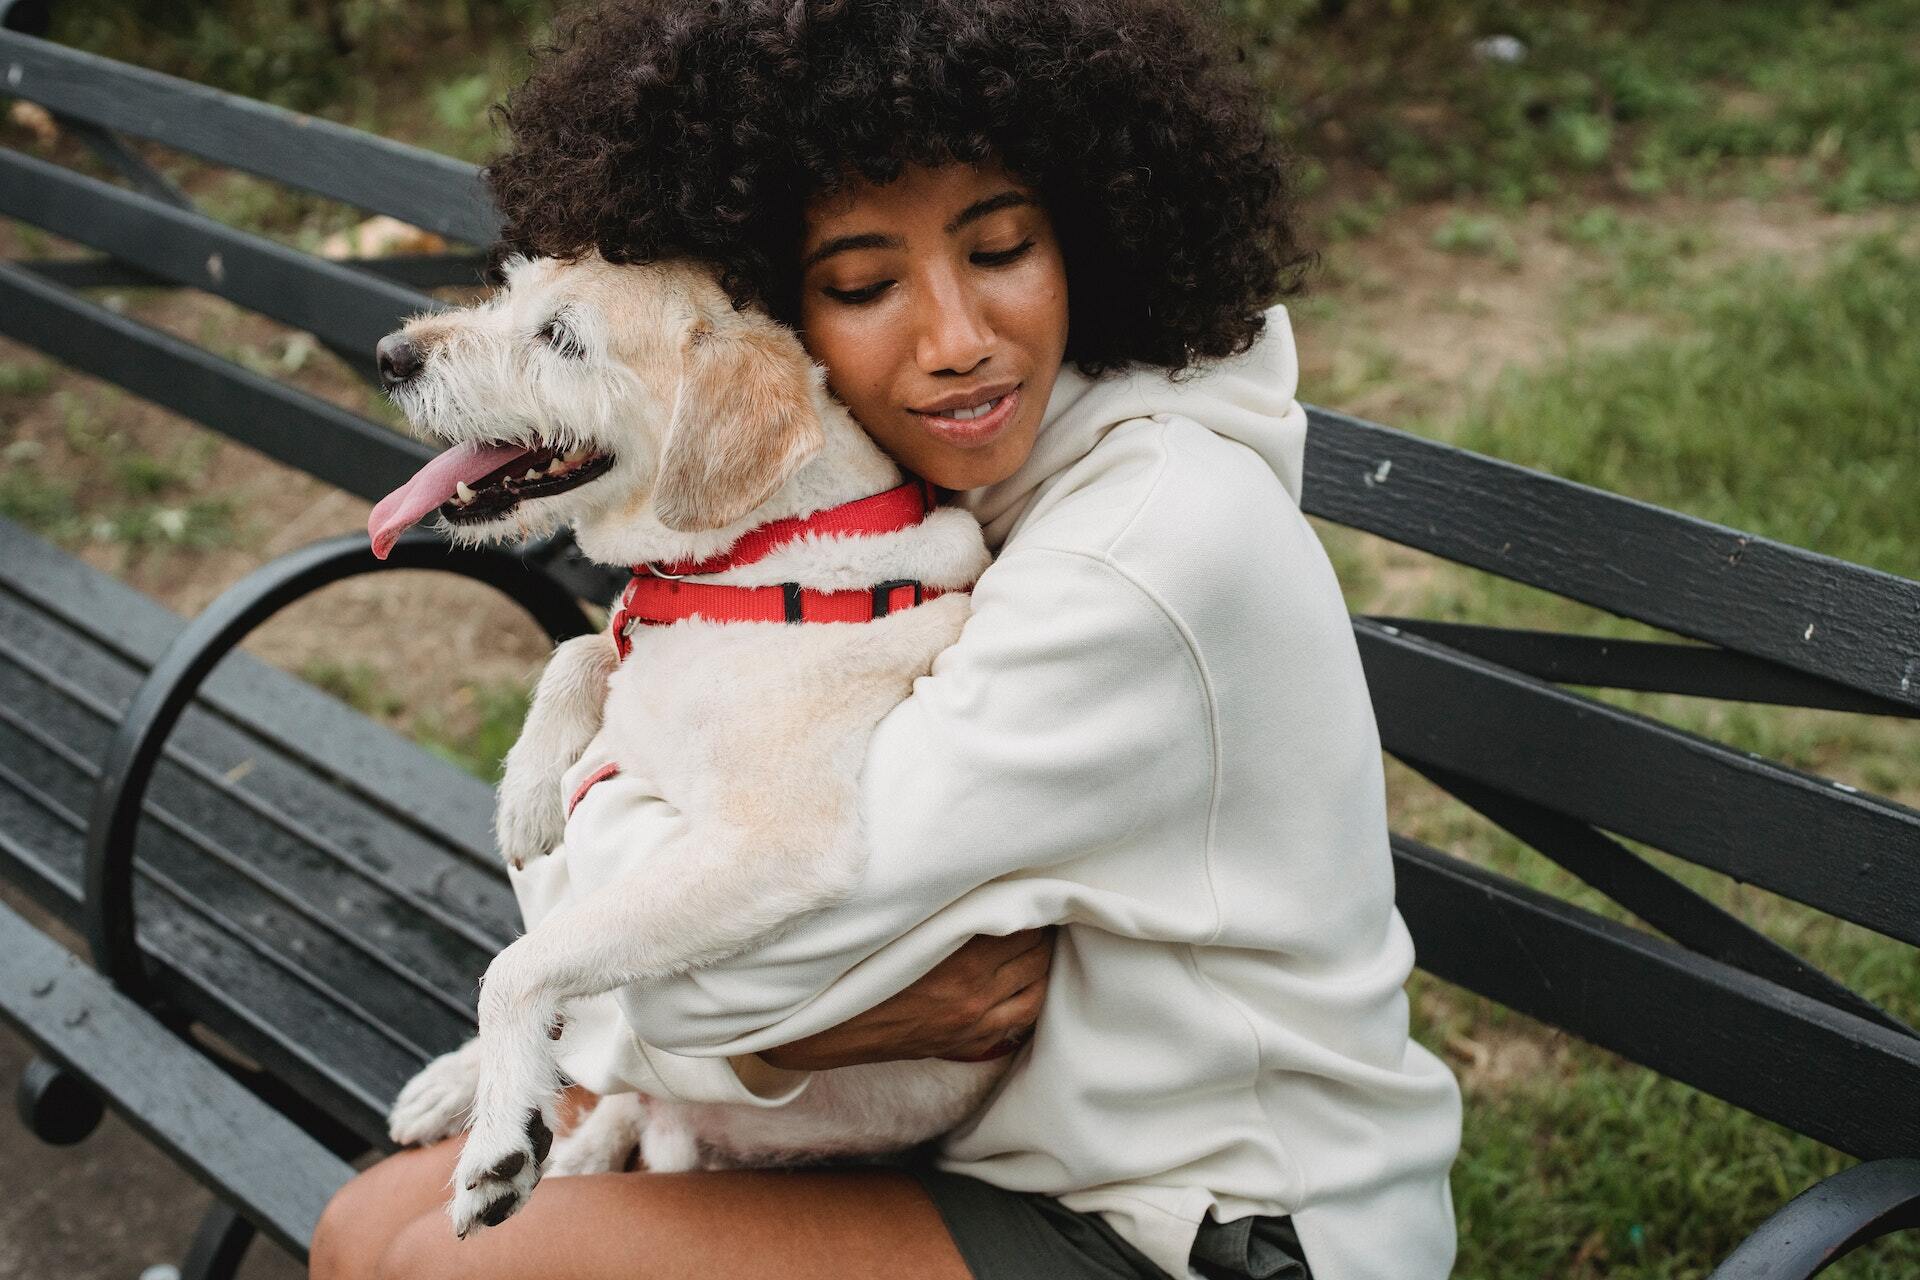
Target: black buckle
x,y
883,594
791,592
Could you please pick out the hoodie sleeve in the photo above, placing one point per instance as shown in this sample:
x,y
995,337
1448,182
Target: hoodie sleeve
x,y
1067,726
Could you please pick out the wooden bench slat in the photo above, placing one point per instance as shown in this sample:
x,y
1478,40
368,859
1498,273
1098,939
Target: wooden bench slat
x,y
1839,621
1649,666
271,787
249,1154
171,878
418,186
283,422
346,309
380,767
1848,1082
1845,852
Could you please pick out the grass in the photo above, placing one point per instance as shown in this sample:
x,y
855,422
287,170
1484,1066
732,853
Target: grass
x,y
136,500
473,732
1779,408
1783,405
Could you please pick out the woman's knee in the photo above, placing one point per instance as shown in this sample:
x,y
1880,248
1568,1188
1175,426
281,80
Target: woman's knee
x,y
345,1247
363,1217
417,1252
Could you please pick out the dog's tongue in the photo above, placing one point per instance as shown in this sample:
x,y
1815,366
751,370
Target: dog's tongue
x,y
432,485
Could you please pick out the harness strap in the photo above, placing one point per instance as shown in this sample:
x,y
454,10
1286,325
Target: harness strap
x,y
661,601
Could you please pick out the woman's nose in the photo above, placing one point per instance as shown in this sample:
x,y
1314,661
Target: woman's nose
x,y
954,332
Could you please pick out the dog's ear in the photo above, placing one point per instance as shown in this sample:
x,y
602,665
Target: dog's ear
x,y
744,422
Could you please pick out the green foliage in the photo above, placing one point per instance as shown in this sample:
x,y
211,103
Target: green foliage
x,y
477,739
1482,236
356,683
1627,99
309,55
25,379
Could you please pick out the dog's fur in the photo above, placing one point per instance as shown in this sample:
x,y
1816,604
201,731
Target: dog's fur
x,y
717,422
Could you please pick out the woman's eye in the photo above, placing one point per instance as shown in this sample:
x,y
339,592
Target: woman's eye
x,y
1003,256
856,296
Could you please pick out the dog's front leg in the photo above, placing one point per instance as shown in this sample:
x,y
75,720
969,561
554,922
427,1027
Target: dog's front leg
x,y
709,895
530,814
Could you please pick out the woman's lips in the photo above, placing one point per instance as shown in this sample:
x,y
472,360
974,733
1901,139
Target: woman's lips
x,y
978,432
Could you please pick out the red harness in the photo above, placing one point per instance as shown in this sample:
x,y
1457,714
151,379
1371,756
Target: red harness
x,y
656,597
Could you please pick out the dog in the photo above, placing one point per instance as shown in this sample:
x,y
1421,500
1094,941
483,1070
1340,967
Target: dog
x,y
636,404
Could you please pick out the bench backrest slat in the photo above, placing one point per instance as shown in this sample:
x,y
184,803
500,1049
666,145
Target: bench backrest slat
x,y
1648,665
418,186
1839,621
1844,1080
346,309
1848,853
1633,883
282,422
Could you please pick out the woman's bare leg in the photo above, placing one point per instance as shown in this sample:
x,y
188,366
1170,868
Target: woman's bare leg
x,y
364,1216
849,1224
390,1223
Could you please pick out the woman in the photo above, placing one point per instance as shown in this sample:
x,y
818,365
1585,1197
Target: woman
x,y
1153,731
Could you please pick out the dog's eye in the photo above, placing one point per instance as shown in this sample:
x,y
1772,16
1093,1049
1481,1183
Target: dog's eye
x,y
556,335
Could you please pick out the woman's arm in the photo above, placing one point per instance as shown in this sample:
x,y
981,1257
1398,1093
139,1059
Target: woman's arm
x,y
1067,722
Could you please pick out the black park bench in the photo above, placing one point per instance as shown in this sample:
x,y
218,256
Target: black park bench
x,y
285,906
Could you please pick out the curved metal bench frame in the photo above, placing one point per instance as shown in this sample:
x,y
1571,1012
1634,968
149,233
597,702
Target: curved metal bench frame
x,y
108,910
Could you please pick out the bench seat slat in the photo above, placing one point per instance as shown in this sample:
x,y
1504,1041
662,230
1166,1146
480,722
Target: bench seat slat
x,y
382,770
227,893
286,956
269,789
415,185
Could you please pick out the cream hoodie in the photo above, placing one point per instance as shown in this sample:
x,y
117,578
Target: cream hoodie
x,y
1153,730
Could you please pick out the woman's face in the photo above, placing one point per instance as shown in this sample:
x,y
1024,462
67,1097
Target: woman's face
x,y
928,297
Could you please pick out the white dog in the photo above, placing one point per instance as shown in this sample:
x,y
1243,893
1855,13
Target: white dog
x,y
635,403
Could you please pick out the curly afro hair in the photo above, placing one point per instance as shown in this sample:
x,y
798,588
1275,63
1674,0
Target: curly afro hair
x,y
662,128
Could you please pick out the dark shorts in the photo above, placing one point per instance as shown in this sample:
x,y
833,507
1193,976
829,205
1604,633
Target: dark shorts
x,y
1023,1235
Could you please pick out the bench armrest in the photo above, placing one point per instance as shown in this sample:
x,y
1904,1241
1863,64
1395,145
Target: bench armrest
x,y
1827,1221
246,1152
107,912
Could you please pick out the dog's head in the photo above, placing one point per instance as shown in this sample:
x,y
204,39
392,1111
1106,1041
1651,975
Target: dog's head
x,y
632,401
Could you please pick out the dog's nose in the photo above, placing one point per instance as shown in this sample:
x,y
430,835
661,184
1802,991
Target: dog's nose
x,y
398,358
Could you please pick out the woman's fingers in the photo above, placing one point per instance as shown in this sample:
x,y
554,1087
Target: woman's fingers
x,y
1028,965
1008,1022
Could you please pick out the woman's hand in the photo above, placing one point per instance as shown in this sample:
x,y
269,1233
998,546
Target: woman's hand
x,y
979,998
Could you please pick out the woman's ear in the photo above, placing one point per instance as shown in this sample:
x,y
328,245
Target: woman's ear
x,y
743,423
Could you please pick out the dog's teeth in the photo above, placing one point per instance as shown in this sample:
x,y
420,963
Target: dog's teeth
x,y
463,492
532,474
555,467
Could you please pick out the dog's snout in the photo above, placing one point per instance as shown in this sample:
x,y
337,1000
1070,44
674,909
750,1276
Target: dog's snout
x,y
399,359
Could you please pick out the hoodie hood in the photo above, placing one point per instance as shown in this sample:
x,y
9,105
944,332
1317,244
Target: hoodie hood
x,y
1248,398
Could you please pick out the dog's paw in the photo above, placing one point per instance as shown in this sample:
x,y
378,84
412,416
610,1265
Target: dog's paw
x,y
434,1104
529,819
498,1170
602,1142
